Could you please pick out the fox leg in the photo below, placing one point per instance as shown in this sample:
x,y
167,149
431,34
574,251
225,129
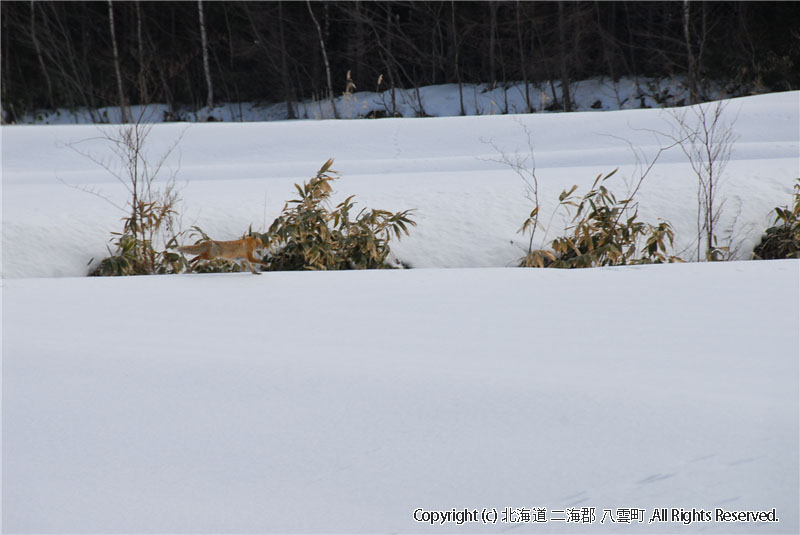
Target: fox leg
x,y
252,269
253,260
193,263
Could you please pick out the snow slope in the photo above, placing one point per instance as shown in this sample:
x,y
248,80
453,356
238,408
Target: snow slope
x,y
434,101
345,402
342,402
470,206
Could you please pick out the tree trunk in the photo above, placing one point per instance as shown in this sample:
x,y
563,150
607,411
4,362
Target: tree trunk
x,y
144,97
492,41
691,69
389,60
206,68
606,40
285,75
324,59
117,70
566,102
38,49
360,41
63,55
455,46
522,60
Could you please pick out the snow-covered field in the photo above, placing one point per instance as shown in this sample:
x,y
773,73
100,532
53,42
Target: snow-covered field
x,y
366,401
436,101
470,206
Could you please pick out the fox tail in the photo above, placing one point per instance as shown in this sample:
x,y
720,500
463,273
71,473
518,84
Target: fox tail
x,y
200,248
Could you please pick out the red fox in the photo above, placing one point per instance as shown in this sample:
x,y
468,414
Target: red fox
x,y
229,250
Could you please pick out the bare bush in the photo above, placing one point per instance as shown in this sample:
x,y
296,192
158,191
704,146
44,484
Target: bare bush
x,y
150,221
707,141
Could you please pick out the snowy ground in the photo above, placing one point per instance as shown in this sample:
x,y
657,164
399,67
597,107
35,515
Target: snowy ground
x,y
469,205
342,402
345,402
435,101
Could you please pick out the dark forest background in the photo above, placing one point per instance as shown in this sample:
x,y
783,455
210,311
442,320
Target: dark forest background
x,y
69,54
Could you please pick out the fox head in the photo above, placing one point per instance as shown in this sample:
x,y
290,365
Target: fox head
x,y
255,241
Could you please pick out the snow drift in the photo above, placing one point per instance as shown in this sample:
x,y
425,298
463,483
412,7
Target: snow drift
x,y
368,401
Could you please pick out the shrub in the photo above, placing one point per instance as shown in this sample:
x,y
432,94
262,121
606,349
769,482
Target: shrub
x,y
707,141
604,232
150,214
782,240
135,254
308,235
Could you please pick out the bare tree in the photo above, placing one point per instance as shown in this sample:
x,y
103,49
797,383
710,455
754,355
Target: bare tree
x,y
325,59
39,56
150,207
391,38
117,70
566,101
412,44
522,59
456,48
63,55
206,68
269,52
492,41
706,140
144,96
691,59
285,75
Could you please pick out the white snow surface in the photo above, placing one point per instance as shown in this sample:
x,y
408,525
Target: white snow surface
x,y
344,402
469,205
434,101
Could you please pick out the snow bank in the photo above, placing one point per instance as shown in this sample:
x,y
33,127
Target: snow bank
x,y
434,101
343,402
346,402
469,205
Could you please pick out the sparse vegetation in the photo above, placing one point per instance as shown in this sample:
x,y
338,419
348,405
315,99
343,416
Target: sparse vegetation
x,y
149,227
308,235
707,140
604,232
135,253
782,240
